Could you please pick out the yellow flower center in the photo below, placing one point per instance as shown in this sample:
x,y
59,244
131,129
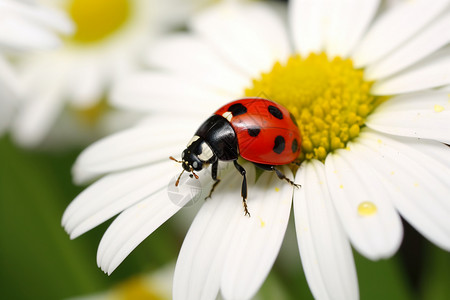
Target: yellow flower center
x,y
91,115
97,19
329,99
138,288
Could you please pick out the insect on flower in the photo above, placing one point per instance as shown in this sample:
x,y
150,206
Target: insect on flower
x,y
259,130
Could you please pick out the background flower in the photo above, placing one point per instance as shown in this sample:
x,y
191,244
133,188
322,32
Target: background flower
x,y
24,26
66,91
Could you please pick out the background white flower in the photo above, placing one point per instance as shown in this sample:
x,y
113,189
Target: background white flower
x,y
353,198
24,26
70,86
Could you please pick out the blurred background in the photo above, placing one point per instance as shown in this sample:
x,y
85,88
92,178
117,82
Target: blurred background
x,y
39,261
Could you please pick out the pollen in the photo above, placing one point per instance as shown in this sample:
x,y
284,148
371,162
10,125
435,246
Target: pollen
x,y
438,108
366,209
96,20
329,99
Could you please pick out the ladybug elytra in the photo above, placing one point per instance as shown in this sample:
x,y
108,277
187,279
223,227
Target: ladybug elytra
x,y
259,130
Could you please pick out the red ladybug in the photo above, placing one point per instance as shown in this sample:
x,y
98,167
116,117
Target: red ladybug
x,y
261,131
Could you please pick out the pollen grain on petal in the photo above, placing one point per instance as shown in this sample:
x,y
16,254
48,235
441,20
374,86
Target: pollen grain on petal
x,y
438,108
367,208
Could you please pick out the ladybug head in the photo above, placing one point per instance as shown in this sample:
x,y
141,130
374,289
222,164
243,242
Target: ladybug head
x,y
196,156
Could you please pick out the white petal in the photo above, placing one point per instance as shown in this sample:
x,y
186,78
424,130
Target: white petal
x,y
159,92
418,171
435,36
421,115
114,193
24,26
351,183
257,240
37,116
250,35
133,147
43,15
348,21
201,260
444,88
131,227
189,56
309,21
431,72
324,247
395,27
7,108
8,77
9,90
87,84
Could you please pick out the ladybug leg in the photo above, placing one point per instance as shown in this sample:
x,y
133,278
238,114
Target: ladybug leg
x,y
278,172
244,186
214,168
283,177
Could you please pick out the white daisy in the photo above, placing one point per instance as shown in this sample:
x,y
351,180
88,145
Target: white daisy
x,y
367,158
106,46
24,26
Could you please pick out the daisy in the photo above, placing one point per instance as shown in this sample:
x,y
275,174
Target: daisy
x,y
106,46
369,90
24,26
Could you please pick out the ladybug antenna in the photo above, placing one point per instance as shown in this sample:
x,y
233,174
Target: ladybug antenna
x,y
195,175
178,179
172,158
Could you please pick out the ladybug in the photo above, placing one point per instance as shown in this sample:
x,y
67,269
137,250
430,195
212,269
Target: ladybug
x,y
259,130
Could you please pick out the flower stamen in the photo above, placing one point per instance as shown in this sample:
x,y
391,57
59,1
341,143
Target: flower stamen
x,y
329,99
95,20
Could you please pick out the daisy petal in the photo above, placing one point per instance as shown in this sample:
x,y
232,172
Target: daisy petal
x,y
141,92
435,36
87,84
395,27
307,19
444,88
201,259
8,77
210,69
34,120
420,168
253,29
431,72
257,240
46,16
114,193
133,147
353,186
132,227
324,247
136,223
36,37
348,21
421,115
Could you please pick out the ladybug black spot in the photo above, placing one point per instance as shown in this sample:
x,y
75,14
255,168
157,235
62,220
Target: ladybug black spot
x,y
254,132
293,119
237,109
294,146
280,144
274,111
